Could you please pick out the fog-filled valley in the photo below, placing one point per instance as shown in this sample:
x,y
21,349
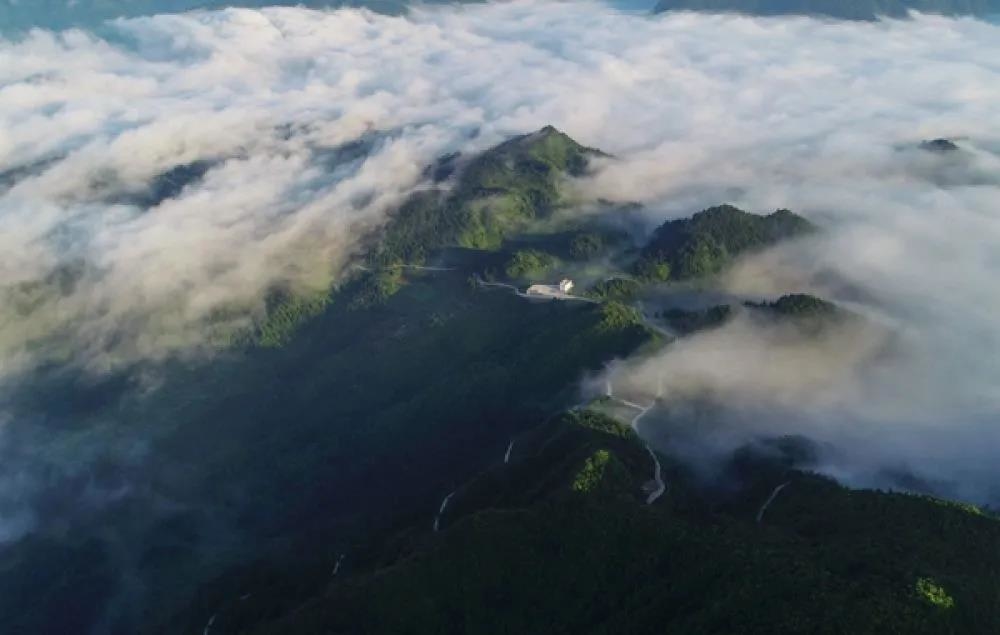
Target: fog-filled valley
x,y
272,360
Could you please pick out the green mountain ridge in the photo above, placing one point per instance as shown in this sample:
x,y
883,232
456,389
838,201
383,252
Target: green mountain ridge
x,y
496,194
706,243
341,466
340,416
807,310
559,540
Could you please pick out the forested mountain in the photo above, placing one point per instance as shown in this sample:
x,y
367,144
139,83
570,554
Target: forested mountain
x,y
708,241
412,452
334,419
555,534
843,9
561,540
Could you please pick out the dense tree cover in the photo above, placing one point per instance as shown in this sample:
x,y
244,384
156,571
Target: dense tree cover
x,y
586,245
687,322
360,409
601,472
616,316
799,305
285,312
934,593
844,9
374,288
574,238
810,315
708,241
497,193
527,263
543,546
311,430
364,416
614,289
939,146
73,578
423,224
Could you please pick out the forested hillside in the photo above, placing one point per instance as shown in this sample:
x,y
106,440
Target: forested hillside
x,y
711,239
421,449
333,419
560,540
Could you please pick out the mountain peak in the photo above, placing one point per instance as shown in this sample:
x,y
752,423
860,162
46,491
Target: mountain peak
x,y
939,146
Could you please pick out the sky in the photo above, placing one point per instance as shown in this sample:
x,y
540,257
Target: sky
x,y
311,126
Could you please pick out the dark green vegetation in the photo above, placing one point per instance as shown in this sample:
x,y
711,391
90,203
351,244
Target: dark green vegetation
x,y
843,9
614,289
71,577
805,310
707,242
366,416
528,263
560,541
498,194
586,246
799,305
687,322
939,146
233,487
286,312
809,314
339,418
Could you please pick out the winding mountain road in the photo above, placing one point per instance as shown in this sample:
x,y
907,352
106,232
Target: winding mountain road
x,y
405,266
770,499
661,486
632,404
208,627
444,506
502,285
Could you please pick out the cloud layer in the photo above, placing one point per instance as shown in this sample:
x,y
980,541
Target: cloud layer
x,y
312,125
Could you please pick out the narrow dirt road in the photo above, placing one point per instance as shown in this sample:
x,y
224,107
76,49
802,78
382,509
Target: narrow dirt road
x,y
661,486
770,499
444,506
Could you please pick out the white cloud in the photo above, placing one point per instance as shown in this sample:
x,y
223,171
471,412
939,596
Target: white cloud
x,y
813,115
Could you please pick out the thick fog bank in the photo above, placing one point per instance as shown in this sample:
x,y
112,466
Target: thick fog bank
x,y
157,184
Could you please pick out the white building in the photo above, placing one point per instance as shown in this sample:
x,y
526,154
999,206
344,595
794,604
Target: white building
x,y
554,291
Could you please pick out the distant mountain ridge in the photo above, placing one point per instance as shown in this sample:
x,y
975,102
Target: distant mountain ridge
x,y
842,9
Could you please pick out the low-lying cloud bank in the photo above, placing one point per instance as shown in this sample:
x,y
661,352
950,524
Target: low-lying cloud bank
x,y
288,134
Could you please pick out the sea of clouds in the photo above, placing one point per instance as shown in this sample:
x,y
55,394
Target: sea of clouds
x,y
314,125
